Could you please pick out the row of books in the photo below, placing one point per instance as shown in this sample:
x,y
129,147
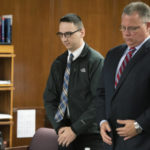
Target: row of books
x,y
5,29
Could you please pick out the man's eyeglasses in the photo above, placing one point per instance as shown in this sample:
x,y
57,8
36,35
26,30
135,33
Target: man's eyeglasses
x,y
66,34
129,29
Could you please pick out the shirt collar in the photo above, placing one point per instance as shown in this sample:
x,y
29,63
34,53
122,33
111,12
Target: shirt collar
x,y
77,52
140,45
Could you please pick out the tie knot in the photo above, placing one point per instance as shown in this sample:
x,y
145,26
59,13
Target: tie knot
x,y
132,49
71,57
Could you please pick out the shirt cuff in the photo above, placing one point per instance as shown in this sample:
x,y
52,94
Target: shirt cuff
x,y
102,122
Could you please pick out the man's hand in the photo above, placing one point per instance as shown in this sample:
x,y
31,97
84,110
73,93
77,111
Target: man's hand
x,y
104,128
128,131
65,136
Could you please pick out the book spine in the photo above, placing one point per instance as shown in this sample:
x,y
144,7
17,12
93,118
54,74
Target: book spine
x,y
3,29
8,30
0,29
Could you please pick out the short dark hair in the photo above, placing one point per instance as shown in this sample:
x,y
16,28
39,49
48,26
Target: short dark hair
x,y
141,8
72,18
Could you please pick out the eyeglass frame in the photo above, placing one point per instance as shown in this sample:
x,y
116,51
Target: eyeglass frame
x,y
66,34
131,29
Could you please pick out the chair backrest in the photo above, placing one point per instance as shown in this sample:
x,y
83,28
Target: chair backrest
x,y
44,139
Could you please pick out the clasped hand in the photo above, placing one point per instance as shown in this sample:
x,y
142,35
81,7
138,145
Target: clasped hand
x,y
127,131
65,136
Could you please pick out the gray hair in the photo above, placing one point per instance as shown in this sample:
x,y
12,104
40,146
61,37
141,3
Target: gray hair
x,y
141,8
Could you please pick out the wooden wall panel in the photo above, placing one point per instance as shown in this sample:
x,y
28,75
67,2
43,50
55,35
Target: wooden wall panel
x,y
35,23
100,17
32,26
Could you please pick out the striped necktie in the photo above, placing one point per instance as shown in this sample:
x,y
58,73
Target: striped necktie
x,y
64,95
123,65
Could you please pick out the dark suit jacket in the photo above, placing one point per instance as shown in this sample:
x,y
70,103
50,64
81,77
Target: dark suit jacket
x,y
81,92
131,98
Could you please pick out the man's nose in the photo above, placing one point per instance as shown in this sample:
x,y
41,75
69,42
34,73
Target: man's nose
x,y
63,38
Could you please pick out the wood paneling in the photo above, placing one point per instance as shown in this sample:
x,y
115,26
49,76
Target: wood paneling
x,y
35,23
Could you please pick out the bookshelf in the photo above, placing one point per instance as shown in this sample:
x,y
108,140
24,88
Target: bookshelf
x,y
6,92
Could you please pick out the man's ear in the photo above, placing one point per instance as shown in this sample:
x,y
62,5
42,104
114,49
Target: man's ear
x,y
82,32
148,26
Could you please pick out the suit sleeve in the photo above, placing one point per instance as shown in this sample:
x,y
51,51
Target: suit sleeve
x,y
101,113
51,98
144,120
100,100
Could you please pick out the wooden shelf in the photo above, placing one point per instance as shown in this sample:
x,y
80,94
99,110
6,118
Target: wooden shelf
x,y
7,85
10,122
6,49
3,88
7,55
6,91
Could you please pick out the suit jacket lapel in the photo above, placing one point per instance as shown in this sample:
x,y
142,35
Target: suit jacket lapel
x,y
136,58
113,67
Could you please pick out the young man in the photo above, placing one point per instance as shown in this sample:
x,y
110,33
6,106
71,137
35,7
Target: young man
x,y
123,106
71,89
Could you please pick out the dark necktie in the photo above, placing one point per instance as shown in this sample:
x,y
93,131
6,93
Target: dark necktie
x,y
64,95
124,64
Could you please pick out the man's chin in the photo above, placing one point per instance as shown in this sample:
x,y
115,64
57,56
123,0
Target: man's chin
x,y
67,47
130,44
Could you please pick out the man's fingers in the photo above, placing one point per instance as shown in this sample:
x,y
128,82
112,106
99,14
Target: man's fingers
x,y
121,131
127,137
121,121
67,143
64,142
60,140
106,138
105,129
61,130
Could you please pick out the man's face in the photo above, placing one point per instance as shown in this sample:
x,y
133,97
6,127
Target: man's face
x,y
75,39
134,31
